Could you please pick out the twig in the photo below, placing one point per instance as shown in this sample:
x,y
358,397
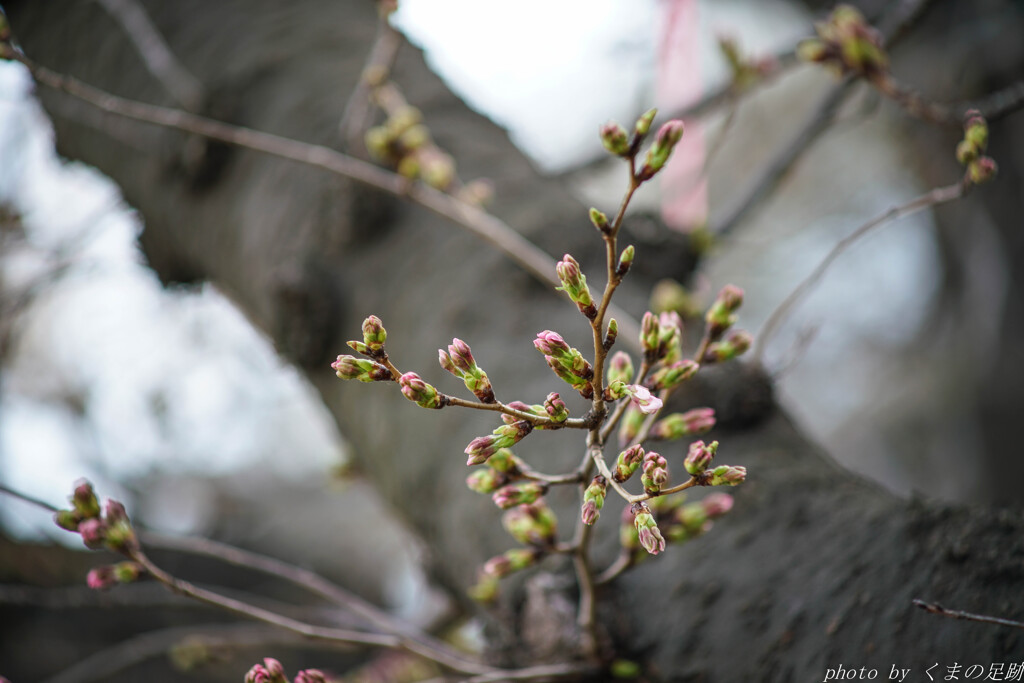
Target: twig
x,y
156,55
817,123
623,562
482,224
934,608
993,106
937,196
356,114
101,665
28,499
893,27
499,407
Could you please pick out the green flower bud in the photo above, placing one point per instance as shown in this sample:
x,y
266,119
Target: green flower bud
x,y
599,220
620,368
593,499
627,463
522,493
418,391
533,524
574,283
615,139
699,457
727,475
625,261
643,124
733,346
486,480
350,367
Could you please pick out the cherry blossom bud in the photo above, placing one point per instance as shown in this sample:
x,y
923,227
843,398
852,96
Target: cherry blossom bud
x,y
94,533
611,334
717,504
574,283
86,503
721,315
599,220
533,524
418,391
699,457
665,141
650,337
551,344
615,139
460,362
673,375
119,534
678,425
620,368
101,578
643,124
727,475
504,461
627,463
647,529
655,473
522,493
482,448
486,480
67,519
310,676
734,345
593,499
982,170
485,590
555,407
374,334
362,369
625,261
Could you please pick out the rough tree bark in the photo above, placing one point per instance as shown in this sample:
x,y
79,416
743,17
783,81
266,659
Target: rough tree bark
x,y
814,568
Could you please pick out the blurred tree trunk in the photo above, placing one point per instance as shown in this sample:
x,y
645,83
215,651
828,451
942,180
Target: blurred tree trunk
x,y
814,568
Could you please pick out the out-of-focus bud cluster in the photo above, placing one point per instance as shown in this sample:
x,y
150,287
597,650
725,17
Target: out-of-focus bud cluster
x,y
971,150
745,71
678,425
566,362
460,362
496,568
846,44
502,468
618,142
99,528
531,524
404,143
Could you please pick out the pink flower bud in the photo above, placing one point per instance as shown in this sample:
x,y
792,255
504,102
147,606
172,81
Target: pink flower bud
x,y
310,676
522,493
85,501
727,475
94,532
462,355
551,344
101,578
647,529
615,139
699,457
418,391
627,463
717,504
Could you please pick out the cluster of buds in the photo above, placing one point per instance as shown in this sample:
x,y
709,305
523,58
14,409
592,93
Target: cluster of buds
x,y
593,499
566,362
533,524
846,44
109,528
641,397
745,71
971,150
734,345
618,142
671,376
502,468
421,393
519,493
374,336
574,283
271,671
655,473
496,568
362,369
460,362
648,534
659,343
404,143
699,457
482,448
685,522
553,409
628,463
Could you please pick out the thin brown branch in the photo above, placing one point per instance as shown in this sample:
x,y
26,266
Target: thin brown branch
x,y
623,562
491,229
311,631
894,26
937,196
104,664
179,83
28,499
933,608
993,106
356,115
499,407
